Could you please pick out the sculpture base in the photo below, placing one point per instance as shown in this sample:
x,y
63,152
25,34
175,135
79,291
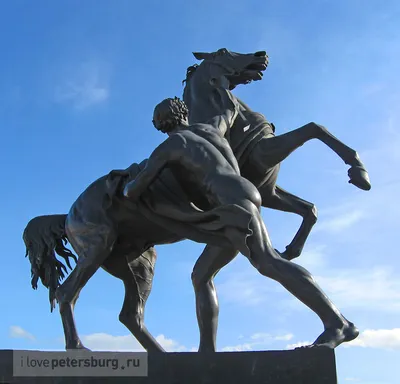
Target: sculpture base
x,y
306,365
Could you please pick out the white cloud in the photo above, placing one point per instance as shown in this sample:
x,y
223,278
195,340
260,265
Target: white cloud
x,y
85,88
374,209
257,341
265,337
245,288
353,379
170,345
313,257
238,348
107,342
388,339
340,222
17,332
286,337
375,289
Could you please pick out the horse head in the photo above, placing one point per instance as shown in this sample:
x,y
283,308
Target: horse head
x,y
238,68
232,67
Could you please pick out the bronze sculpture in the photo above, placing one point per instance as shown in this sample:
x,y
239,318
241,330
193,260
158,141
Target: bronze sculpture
x,y
91,228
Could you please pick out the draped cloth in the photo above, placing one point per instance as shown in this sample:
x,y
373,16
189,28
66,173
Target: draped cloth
x,y
167,205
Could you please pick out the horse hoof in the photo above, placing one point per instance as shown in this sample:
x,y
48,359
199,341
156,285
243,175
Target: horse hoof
x,y
77,347
359,177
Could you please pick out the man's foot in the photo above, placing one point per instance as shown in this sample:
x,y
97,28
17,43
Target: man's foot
x,y
332,337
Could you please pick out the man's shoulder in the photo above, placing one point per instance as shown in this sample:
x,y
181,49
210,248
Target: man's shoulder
x,y
184,134
180,138
199,126
205,129
190,136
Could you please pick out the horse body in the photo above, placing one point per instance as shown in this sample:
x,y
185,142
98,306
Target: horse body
x,y
136,233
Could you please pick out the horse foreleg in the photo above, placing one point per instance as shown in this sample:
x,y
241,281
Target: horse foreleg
x,y
97,248
207,266
283,145
285,201
138,279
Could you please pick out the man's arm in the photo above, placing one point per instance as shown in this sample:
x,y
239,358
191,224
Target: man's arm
x,y
157,161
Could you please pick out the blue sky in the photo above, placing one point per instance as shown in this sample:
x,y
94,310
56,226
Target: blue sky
x,y
79,81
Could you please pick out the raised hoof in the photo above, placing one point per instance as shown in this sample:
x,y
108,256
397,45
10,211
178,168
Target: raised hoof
x,y
359,177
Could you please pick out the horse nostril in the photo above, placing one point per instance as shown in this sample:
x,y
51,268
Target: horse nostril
x,y
260,53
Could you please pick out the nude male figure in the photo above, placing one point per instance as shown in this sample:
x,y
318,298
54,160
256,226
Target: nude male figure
x,y
201,160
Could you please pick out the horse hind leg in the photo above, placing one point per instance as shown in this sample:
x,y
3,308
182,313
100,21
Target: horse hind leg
x,y
137,275
284,201
95,250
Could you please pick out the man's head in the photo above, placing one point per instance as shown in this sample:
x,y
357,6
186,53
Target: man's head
x,y
169,114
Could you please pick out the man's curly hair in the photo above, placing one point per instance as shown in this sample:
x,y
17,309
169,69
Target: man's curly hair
x,y
169,113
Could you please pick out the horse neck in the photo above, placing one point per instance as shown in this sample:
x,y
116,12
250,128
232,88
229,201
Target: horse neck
x,y
199,104
245,107
198,101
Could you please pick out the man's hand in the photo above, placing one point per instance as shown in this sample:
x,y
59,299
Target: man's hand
x,y
114,186
113,175
131,192
118,172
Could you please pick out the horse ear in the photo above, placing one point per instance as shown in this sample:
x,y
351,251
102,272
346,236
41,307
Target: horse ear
x,y
202,55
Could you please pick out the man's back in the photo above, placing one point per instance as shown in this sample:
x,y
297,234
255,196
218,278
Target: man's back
x,y
198,165
197,153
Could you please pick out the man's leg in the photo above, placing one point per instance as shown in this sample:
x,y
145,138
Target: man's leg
x,y
298,281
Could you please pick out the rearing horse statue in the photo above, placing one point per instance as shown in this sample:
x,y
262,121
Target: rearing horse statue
x,y
120,239
259,153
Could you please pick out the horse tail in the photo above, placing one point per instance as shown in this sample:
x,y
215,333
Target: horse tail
x,y
44,236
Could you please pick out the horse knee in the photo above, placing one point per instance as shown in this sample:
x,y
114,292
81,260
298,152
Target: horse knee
x,y
312,214
63,296
131,318
318,129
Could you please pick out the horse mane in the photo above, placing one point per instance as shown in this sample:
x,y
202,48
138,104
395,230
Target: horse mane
x,y
189,72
